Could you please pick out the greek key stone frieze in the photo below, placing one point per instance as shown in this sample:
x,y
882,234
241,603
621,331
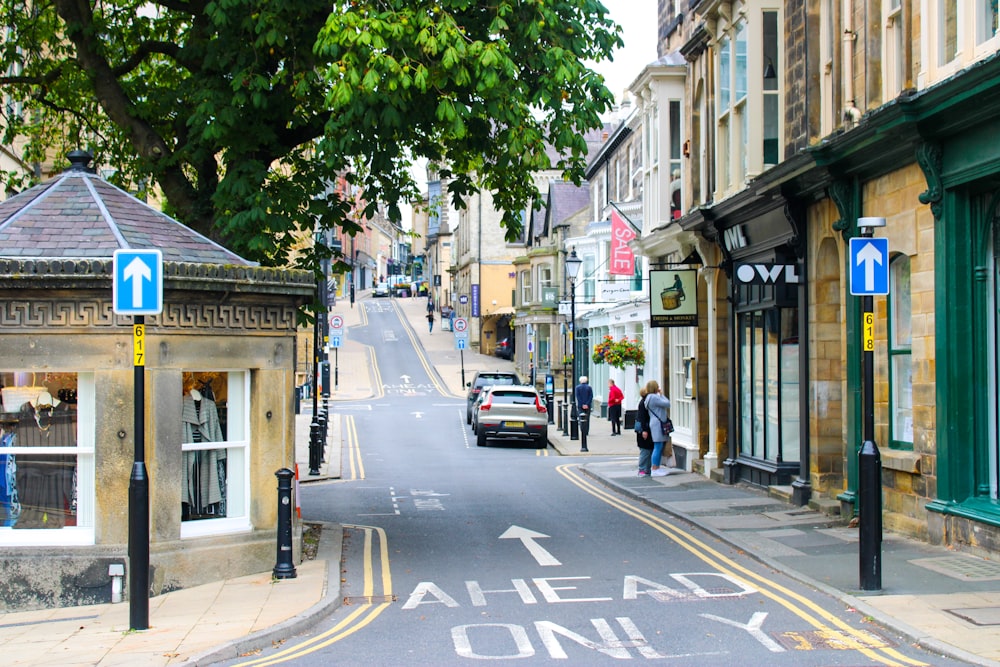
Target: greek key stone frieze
x,y
36,314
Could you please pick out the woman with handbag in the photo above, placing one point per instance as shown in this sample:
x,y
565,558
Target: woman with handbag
x,y
660,427
642,438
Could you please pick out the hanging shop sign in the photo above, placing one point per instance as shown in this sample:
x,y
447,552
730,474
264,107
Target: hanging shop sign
x,y
673,298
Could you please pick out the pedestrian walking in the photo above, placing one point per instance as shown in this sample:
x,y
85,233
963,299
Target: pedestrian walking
x,y
430,321
642,439
658,405
615,398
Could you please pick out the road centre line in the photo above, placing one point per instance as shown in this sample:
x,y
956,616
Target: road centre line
x,y
420,352
792,601
354,621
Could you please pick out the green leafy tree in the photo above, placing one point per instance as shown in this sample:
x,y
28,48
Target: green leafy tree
x,y
243,112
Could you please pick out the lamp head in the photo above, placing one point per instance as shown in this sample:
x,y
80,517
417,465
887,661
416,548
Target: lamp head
x,y
573,264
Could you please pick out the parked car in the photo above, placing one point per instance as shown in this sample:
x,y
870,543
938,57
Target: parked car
x,y
382,289
504,349
484,392
484,379
512,412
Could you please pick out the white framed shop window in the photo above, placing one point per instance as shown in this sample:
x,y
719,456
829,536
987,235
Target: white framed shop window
x,y
215,480
47,435
957,33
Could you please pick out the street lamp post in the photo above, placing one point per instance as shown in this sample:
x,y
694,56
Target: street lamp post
x,y
572,270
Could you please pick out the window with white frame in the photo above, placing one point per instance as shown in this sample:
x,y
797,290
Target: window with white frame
x,y
900,354
749,112
524,278
674,121
215,435
546,292
588,278
962,32
893,49
47,435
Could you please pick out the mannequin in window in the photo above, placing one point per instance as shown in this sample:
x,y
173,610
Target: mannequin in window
x,y
203,478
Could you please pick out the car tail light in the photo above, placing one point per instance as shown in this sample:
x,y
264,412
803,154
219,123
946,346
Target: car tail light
x,y
539,405
487,405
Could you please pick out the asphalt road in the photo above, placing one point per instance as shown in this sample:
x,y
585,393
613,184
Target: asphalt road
x,y
456,554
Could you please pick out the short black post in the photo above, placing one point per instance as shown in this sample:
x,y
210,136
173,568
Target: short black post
x,y
870,516
549,406
284,568
584,429
314,447
565,419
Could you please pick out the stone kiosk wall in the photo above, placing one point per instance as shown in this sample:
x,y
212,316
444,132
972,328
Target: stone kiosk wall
x,y
228,334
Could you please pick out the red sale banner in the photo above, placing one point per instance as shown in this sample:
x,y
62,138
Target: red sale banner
x,y
622,260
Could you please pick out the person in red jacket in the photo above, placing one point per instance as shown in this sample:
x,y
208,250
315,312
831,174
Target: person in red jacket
x,y
615,398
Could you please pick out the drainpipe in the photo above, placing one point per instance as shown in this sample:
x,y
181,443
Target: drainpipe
x,y
711,458
851,112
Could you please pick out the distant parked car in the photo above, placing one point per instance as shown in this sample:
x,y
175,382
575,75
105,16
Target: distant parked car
x,y
382,289
514,412
504,349
485,379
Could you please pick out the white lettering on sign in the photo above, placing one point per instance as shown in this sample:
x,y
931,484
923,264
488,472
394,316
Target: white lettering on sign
x,y
752,628
768,273
734,238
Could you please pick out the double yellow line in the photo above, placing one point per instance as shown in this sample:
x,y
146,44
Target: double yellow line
x,y
825,623
358,618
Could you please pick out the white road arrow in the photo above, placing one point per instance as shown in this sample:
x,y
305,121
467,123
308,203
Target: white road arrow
x,y
405,379
869,256
417,415
137,271
528,538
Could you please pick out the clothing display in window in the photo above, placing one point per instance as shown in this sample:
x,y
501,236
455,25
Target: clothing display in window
x,y
203,478
10,505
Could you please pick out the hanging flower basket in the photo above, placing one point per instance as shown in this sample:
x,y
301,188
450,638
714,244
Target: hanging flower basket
x,y
620,353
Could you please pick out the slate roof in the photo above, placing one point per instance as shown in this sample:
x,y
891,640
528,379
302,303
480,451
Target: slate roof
x,y
80,215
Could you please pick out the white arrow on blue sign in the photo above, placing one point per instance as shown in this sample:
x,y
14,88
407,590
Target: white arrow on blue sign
x,y
334,341
461,343
869,266
137,286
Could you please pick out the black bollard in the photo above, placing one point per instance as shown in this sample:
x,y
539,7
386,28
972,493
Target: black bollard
x,y
284,568
584,429
549,401
314,447
870,516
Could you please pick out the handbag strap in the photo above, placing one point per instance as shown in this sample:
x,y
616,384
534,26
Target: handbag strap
x,y
652,410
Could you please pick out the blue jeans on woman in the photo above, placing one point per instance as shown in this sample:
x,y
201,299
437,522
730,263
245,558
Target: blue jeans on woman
x,y
657,453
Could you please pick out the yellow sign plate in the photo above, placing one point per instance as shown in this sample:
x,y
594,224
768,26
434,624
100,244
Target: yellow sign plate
x,y
138,344
869,332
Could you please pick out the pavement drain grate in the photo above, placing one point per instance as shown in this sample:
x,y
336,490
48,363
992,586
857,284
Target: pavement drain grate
x,y
963,568
981,616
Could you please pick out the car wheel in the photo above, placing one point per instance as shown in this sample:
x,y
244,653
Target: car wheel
x,y
481,439
468,416
473,428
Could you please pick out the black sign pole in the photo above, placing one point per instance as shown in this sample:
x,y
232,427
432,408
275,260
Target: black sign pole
x,y
138,489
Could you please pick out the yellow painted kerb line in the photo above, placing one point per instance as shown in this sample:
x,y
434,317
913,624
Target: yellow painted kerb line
x,y
792,601
357,619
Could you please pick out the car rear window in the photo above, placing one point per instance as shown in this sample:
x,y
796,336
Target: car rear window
x,y
509,396
484,380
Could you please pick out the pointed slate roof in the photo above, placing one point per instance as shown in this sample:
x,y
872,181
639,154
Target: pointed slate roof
x,y
80,215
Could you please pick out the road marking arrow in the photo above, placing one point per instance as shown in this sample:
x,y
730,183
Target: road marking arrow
x,y
405,379
528,538
869,256
136,271
417,415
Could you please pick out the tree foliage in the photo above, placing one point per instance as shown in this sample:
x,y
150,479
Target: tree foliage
x,y
244,111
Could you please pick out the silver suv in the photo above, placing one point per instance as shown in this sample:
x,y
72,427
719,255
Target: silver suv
x,y
512,413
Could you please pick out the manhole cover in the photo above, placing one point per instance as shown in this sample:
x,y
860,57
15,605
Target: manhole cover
x,y
964,568
982,616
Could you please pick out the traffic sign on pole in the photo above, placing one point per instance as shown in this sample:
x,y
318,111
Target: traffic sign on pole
x,y
461,325
869,266
137,284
